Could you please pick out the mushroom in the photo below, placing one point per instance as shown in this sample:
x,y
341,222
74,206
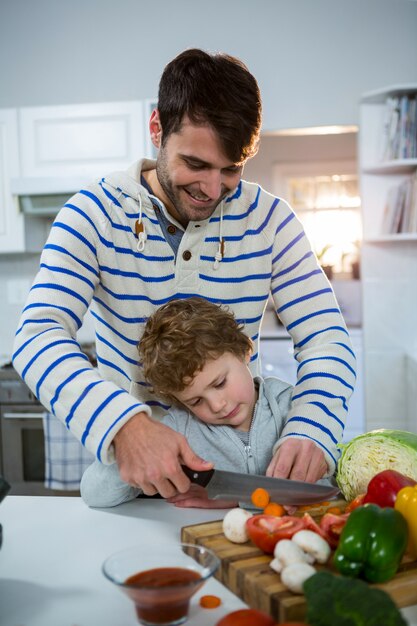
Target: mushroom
x,y
287,552
314,545
293,576
234,525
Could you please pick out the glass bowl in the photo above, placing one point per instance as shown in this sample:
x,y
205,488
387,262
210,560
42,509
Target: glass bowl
x,y
160,579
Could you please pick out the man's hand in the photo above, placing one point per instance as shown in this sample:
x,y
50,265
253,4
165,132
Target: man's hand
x,y
149,455
298,459
197,497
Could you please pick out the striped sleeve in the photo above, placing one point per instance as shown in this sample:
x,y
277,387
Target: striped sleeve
x,y
306,304
46,353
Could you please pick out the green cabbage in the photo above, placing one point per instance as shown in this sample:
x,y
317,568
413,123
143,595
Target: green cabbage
x,y
370,453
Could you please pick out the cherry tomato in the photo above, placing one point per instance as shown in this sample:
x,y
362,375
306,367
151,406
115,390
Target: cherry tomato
x,y
246,617
266,530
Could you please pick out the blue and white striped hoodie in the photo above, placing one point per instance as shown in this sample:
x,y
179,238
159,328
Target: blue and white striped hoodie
x,y
93,257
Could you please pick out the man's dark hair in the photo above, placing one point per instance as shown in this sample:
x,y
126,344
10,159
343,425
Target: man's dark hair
x,y
215,89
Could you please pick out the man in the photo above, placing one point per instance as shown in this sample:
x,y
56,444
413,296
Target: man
x,y
187,225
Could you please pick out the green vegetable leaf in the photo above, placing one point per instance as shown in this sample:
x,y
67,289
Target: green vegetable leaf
x,y
348,602
371,453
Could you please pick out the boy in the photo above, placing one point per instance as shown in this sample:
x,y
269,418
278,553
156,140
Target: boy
x,y
196,355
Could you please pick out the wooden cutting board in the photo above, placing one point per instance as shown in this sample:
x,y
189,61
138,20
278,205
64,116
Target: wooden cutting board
x,y
245,570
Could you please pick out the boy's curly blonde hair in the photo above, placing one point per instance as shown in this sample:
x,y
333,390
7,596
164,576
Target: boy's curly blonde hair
x,y
181,336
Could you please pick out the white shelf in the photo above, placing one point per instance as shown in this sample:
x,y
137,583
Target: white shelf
x,y
388,270
394,238
397,166
378,96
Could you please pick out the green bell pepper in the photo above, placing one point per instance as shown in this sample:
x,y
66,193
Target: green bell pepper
x,y
372,543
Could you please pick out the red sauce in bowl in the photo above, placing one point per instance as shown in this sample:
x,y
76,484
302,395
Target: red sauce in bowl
x,y
162,595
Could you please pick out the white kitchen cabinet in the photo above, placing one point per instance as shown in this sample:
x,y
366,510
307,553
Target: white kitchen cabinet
x,y
81,140
48,153
388,270
11,220
277,359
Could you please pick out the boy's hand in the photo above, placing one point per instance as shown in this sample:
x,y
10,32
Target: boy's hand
x,y
149,455
197,497
298,459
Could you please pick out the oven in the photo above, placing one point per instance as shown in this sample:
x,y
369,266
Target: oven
x,y
22,440
22,444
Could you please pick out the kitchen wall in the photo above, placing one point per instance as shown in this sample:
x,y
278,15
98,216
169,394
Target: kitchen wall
x,y
313,60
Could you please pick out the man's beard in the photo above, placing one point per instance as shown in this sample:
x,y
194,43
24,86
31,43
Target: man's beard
x,y
174,196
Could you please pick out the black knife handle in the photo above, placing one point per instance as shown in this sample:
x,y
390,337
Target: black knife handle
x,y
200,478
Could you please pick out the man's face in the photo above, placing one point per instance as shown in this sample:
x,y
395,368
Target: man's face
x,y
193,173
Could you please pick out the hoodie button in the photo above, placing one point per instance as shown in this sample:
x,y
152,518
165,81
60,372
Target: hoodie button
x,y
186,255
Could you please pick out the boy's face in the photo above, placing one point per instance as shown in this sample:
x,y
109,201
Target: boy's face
x,y
223,392
193,174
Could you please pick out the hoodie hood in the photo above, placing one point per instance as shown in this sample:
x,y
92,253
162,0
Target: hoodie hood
x,y
127,184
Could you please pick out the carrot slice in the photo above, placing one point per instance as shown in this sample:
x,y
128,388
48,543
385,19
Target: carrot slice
x,y
274,509
336,510
210,602
316,505
260,498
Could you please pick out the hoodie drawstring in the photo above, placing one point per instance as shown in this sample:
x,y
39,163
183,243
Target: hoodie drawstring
x,y
142,237
140,229
218,257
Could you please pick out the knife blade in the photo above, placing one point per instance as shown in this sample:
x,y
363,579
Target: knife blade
x,y
222,484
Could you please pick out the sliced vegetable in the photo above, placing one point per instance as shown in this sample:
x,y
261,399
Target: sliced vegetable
x,y
353,504
274,509
337,600
266,530
311,524
316,505
332,526
210,602
370,453
260,498
372,544
406,504
384,486
334,510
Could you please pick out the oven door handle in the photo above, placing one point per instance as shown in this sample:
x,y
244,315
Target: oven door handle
x,y
22,415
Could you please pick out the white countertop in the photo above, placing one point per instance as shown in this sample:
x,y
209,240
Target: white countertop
x,y
53,549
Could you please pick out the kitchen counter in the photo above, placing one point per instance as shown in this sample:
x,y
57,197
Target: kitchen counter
x,y
50,563
53,549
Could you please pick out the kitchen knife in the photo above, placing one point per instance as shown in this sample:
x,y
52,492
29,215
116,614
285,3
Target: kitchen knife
x,y
222,484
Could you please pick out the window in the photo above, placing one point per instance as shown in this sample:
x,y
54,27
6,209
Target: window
x,y
325,197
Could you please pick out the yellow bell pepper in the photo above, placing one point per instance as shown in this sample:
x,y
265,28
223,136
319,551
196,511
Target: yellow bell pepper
x,y
406,503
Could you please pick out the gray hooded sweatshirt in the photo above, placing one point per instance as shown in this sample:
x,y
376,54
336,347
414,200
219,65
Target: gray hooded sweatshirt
x,y
101,485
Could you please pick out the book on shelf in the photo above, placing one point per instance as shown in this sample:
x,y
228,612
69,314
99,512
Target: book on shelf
x,y
400,211
399,128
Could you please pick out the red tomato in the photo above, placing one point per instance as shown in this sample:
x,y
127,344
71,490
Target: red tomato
x,y
266,530
332,526
310,524
246,617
